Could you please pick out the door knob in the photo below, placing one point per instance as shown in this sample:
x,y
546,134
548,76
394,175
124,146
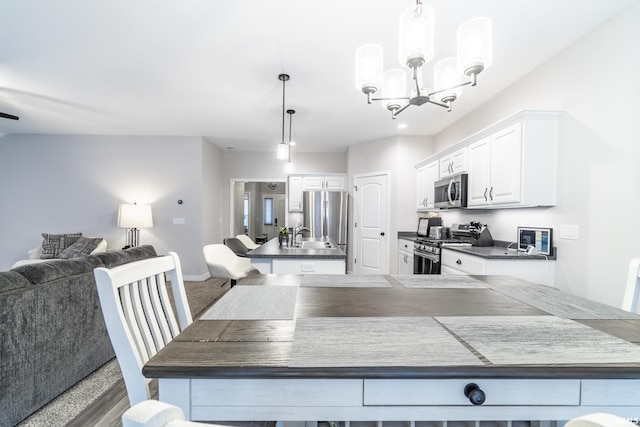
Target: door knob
x,y
474,394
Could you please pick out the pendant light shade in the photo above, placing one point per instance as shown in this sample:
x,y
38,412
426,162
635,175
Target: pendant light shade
x,y
475,52
283,151
369,68
446,77
394,88
416,36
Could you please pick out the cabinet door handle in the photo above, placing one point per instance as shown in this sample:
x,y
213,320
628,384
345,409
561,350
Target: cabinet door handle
x,y
485,194
491,193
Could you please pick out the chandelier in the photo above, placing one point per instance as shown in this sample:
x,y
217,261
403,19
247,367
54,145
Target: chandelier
x,y
474,55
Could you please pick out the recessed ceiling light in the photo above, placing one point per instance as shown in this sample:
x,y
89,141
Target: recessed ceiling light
x,y
231,149
402,126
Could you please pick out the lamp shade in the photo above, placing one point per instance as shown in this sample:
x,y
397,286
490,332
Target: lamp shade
x,y
416,36
134,216
394,88
283,151
369,68
446,75
475,51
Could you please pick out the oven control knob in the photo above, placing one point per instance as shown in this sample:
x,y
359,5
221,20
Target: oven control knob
x,y
474,394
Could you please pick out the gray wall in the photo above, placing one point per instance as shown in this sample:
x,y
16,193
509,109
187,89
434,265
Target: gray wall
x,y
595,82
69,183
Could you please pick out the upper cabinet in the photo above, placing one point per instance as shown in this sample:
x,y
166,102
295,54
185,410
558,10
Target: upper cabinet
x,y
426,176
454,163
300,183
510,164
295,193
329,183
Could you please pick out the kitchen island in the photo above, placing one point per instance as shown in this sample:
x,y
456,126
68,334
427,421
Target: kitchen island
x,y
307,256
401,348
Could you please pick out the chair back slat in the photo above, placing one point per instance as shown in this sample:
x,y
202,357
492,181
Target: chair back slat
x,y
139,315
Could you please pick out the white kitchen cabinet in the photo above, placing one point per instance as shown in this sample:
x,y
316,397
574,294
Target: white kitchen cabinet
x,y
295,193
514,166
328,182
495,168
405,256
454,163
426,176
540,271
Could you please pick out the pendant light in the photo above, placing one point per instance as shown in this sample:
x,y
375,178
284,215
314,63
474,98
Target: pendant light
x,y
283,149
288,166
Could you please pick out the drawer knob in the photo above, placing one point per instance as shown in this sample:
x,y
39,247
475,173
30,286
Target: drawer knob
x,y
475,395
459,262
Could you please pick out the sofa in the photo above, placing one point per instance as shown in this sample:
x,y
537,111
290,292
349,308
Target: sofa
x,y
52,332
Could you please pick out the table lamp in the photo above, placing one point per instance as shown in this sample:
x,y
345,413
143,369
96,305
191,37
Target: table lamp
x,y
133,217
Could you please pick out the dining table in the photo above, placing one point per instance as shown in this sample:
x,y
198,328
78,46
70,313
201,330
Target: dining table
x,y
424,350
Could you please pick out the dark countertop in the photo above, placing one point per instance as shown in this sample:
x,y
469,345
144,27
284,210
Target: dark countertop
x,y
272,249
499,252
501,249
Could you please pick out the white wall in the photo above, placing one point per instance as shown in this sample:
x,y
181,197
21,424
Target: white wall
x,y
70,183
396,155
595,82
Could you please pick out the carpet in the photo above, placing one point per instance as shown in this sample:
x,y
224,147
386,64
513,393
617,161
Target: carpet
x,y
63,409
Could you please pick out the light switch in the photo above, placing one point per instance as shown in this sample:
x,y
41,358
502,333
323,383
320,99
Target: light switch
x,y
571,232
178,221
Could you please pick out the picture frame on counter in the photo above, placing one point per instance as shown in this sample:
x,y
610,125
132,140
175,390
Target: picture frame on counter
x,y
538,237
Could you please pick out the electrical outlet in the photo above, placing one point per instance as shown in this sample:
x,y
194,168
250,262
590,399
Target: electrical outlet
x,y
571,232
178,221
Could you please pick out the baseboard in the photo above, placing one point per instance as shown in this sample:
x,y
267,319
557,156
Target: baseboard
x,y
200,278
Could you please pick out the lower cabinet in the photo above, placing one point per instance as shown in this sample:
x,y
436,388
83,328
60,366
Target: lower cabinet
x,y
540,271
405,256
300,266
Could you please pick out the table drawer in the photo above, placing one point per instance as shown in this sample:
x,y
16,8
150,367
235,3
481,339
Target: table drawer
x,y
611,392
468,263
276,392
451,392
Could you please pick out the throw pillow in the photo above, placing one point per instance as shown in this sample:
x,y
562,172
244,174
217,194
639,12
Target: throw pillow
x,y
82,247
53,244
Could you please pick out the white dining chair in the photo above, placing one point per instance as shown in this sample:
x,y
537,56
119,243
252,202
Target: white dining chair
x,y
632,289
139,316
224,264
152,413
600,420
246,240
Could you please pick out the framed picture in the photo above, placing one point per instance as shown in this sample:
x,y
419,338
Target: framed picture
x,y
539,238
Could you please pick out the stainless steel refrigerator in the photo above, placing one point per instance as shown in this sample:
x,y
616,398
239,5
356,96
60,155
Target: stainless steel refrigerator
x,y
325,214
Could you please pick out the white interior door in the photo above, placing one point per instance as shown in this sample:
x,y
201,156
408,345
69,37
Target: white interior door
x,y
273,213
371,241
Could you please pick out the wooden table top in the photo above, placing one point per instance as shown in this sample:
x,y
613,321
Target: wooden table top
x,y
427,326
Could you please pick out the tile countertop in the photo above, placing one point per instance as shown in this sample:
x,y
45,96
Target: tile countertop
x,y
498,251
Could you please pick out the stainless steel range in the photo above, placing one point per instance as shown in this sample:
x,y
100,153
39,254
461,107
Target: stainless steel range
x,y
427,252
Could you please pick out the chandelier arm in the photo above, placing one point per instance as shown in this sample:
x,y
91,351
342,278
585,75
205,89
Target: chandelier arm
x,y
440,104
394,113
406,98
450,88
415,79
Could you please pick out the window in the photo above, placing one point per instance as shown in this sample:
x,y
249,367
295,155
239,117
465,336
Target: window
x,y
245,213
268,211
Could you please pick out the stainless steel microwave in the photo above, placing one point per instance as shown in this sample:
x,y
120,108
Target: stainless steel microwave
x,y
451,192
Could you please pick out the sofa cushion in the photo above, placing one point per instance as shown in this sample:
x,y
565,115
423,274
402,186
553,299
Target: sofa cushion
x,y
53,270
82,247
11,280
113,259
53,244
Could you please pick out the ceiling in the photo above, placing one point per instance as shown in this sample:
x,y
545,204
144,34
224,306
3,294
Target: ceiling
x,y
210,68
